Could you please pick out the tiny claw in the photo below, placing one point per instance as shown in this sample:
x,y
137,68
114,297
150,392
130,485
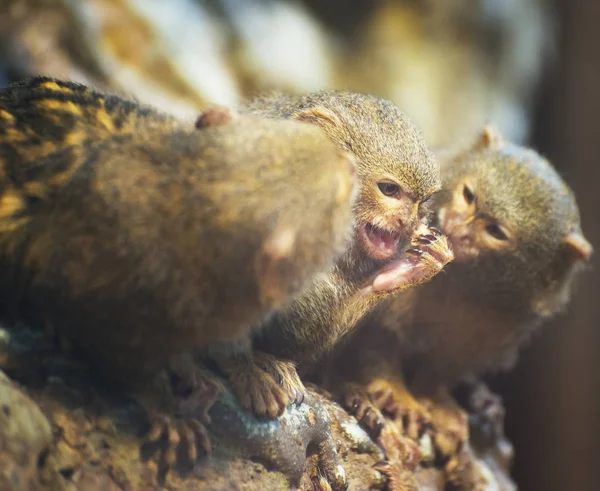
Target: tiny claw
x,y
319,483
201,435
189,440
300,398
435,230
432,238
423,240
381,465
415,251
156,432
338,479
378,428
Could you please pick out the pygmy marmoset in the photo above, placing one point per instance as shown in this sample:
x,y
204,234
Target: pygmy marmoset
x,y
397,175
139,246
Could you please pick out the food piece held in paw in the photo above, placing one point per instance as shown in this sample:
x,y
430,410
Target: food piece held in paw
x,y
397,176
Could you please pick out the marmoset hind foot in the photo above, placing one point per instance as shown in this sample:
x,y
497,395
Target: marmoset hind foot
x,y
402,457
355,399
449,429
176,443
396,402
264,384
178,438
402,454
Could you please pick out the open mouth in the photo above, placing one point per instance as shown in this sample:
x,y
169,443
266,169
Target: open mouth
x,y
379,243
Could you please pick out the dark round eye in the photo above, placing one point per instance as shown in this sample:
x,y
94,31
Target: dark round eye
x,y
468,194
496,231
389,188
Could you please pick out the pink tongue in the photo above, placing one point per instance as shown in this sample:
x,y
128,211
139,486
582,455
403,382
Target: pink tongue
x,y
381,236
389,240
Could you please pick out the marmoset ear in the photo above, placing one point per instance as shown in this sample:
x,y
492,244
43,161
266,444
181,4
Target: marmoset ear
x,y
575,252
214,117
318,115
578,247
489,137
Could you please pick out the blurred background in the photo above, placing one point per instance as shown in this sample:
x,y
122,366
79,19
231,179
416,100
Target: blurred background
x,y
532,67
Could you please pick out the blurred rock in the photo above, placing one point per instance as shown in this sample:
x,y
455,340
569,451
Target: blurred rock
x,y
25,438
98,432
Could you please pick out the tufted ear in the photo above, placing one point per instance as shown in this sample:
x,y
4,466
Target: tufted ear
x,y
576,250
318,115
578,247
488,137
214,117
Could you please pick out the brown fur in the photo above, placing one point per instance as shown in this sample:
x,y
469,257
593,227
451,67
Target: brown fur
x,y
138,246
139,243
107,251
489,301
42,114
